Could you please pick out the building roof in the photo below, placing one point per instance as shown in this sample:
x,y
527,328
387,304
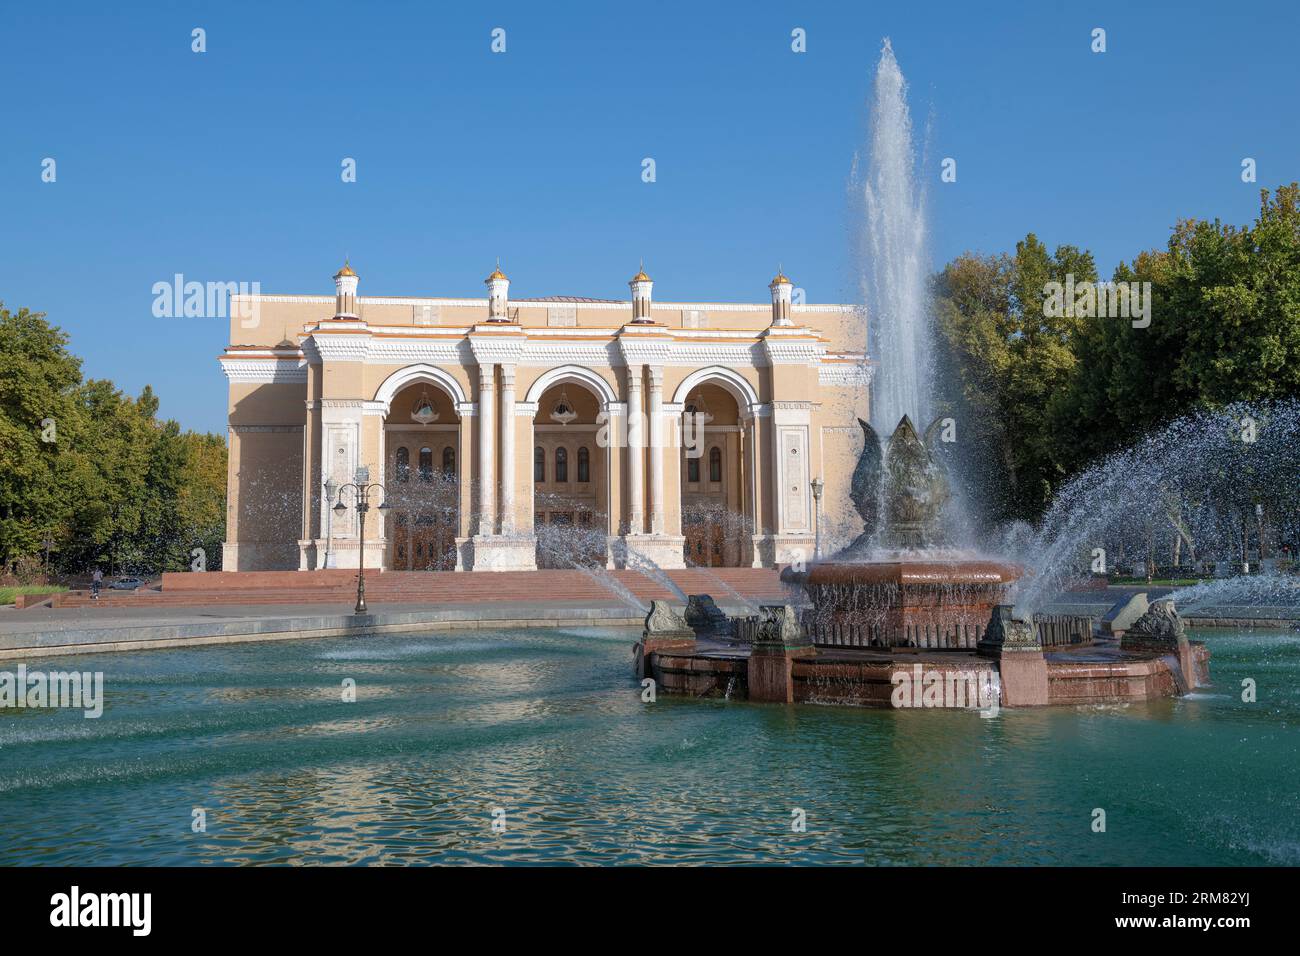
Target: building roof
x,y
567,298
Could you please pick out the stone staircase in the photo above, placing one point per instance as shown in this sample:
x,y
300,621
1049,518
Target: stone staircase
x,y
337,587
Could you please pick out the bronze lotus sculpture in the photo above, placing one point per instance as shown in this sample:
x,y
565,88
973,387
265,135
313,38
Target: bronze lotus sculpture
x,y
900,489
897,585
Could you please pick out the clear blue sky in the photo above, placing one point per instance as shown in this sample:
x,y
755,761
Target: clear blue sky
x,y
225,166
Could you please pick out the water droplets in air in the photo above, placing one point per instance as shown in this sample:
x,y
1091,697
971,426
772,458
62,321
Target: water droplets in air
x,y
893,259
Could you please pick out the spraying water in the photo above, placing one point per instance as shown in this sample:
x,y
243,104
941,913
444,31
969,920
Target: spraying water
x,y
894,277
1210,488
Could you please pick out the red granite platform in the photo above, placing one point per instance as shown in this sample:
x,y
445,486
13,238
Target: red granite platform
x,y
759,585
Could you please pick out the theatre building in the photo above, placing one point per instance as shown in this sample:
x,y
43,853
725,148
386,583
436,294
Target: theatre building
x,y
538,432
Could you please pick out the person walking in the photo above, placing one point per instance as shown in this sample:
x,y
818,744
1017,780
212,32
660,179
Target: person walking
x,y
96,580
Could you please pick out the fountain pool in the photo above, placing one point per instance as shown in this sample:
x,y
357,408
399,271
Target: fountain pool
x,y
550,727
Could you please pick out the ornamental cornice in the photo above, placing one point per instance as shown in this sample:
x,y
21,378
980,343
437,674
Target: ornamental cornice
x,y
781,349
376,350
660,347
603,306
497,346
264,369
433,351
348,347
645,345
547,354
366,406
844,374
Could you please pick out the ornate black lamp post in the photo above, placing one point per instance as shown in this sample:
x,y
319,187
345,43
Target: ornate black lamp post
x,y
817,486
331,490
362,487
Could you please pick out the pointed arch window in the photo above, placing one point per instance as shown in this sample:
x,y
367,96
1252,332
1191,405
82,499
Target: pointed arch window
x,y
539,465
584,464
426,464
403,464
715,463
449,462
562,464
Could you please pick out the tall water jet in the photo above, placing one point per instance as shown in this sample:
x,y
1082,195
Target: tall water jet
x,y
898,584
894,277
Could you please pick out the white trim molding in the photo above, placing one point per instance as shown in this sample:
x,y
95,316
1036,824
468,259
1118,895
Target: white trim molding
x,y
263,368
576,374
419,373
844,374
735,383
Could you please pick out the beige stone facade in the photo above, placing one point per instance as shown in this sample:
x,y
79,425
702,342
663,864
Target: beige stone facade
x,y
518,433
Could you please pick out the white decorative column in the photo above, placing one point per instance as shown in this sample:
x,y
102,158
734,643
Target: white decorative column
x,y
616,418
465,526
525,413
486,448
635,458
508,476
656,450
647,345
498,543
752,462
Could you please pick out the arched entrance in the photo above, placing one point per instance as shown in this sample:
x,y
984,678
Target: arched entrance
x,y
422,470
570,478
713,479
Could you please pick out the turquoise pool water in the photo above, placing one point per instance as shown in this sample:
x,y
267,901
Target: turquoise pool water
x,y
548,727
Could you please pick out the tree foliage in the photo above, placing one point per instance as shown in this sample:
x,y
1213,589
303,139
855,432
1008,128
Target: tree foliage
x,y
91,470
1044,397
1002,359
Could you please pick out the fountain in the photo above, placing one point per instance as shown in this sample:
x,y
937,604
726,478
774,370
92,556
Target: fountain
x,y
900,584
893,586
901,616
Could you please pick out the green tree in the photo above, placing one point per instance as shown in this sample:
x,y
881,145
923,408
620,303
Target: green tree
x,y
1237,294
1044,394
94,469
1004,358
38,383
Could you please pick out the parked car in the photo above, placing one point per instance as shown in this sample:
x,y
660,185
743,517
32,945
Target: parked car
x,y
127,583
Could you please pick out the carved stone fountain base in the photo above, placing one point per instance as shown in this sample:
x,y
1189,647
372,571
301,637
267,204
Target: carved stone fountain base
x,y
931,603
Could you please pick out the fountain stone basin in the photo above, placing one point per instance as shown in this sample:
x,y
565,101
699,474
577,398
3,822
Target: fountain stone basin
x,y
919,602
